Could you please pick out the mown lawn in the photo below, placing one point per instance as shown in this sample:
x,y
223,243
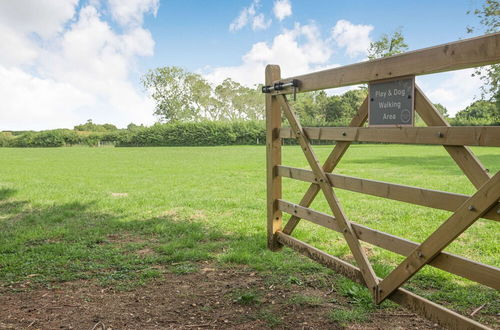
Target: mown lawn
x,y
73,213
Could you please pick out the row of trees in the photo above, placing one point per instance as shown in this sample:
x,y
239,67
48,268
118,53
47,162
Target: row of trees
x,y
186,96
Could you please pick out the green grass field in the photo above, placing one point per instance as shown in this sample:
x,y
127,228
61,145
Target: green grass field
x,y
61,218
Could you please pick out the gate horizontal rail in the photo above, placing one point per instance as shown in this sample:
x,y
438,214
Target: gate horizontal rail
x,y
425,197
463,54
464,135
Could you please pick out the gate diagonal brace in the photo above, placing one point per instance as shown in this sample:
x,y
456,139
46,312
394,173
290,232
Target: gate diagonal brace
x,y
331,162
369,276
472,209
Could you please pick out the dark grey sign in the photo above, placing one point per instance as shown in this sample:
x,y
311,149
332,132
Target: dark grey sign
x,y
391,102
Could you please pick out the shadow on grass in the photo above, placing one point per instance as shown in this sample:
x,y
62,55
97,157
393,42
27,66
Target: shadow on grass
x,y
45,245
6,193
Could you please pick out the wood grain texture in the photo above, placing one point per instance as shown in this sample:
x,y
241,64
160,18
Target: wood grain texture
x,y
474,271
457,55
419,196
273,159
478,204
465,135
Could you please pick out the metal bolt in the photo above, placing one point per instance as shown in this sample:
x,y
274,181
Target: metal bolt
x,y
409,96
440,134
344,133
471,208
371,99
419,254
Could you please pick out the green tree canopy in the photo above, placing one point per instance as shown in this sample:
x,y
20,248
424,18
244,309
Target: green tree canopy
x,y
185,96
489,18
90,126
388,45
480,110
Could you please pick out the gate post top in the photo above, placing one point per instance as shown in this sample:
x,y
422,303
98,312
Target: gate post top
x,y
273,72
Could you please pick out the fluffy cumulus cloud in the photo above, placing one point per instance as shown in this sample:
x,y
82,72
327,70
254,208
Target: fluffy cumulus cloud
x,y
309,51
131,12
250,16
455,90
282,9
354,38
63,63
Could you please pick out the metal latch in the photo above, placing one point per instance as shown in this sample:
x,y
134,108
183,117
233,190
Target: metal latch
x,y
280,86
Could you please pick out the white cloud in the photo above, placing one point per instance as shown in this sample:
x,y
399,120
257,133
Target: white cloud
x,y
456,91
282,9
260,23
131,12
355,38
249,15
44,18
297,51
78,69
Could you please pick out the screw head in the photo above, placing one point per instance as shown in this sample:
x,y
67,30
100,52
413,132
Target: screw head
x,y
471,208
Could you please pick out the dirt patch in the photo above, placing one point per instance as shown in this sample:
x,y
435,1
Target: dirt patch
x,y
210,298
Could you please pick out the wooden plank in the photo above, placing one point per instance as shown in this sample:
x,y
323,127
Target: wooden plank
x,y
465,216
463,135
331,198
466,268
457,55
463,156
331,162
417,304
273,159
425,197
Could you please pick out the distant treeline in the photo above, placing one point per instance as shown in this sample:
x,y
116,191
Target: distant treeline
x,y
241,132
207,133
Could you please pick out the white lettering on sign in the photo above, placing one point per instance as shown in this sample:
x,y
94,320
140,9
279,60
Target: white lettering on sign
x,y
389,104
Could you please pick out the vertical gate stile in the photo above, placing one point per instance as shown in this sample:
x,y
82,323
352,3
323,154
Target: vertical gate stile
x,y
273,159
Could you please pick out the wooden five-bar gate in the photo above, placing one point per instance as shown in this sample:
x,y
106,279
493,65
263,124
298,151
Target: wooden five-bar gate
x,y
465,209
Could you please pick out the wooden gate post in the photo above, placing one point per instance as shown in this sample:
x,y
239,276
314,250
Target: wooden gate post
x,y
273,159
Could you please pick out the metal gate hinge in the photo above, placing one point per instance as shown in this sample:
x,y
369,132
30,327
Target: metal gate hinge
x,y
281,86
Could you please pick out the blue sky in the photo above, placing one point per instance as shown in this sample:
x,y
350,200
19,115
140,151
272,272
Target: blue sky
x,y
194,34
65,61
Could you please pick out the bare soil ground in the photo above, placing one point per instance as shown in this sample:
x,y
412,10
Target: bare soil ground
x,y
209,298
